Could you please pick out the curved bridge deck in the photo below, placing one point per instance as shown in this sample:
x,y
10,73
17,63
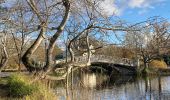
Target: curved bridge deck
x,y
121,69
121,65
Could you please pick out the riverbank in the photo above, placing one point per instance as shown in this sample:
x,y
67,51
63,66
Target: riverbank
x,y
22,86
164,71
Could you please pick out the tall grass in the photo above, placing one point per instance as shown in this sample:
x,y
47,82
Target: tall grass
x,y
21,86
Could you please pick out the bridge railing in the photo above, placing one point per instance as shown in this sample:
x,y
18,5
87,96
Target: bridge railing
x,y
103,58
94,58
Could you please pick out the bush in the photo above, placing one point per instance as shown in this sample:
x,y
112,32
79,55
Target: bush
x,y
19,86
166,59
158,64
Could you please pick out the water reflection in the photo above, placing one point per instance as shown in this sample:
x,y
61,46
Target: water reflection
x,y
89,80
90,86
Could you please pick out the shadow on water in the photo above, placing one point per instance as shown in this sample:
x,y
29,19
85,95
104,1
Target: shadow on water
x,y
91,86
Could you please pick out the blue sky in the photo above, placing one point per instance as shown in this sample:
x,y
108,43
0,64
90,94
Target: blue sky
x,y
139,10
134,11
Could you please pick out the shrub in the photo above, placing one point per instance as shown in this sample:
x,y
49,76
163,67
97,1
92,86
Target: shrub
x,y
19,86
166,59
22,86
158,64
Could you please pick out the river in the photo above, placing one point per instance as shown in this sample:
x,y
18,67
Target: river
x,y
90,86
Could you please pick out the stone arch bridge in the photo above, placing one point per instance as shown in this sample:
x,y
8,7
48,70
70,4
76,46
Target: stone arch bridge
x,y
121,65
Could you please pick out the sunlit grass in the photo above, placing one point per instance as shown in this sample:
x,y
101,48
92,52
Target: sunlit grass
x,y
21,87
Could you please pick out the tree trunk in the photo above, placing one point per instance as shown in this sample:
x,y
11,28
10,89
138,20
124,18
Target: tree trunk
x,y
60,29
26,58
19,51
145,63
88,49
4,59
71,51
73,40
27,61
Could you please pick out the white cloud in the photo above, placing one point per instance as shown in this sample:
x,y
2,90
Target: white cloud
x,y
136,3
143,3
116,7
108,7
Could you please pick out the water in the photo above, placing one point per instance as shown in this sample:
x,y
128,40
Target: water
x,y
90,86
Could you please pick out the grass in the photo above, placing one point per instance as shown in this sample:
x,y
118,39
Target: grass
x,y
21,87
43,93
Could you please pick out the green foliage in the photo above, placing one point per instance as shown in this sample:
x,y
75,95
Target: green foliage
x,y
167,59
19,87
59,56
145,71
22,86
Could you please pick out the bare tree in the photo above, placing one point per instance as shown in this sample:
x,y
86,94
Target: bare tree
x,y
47,20
43,26
4,54
149,41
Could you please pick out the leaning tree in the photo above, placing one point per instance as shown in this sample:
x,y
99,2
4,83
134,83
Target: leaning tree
x,y
48,19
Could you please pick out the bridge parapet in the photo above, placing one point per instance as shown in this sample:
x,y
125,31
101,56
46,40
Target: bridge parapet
x,y
109,59
101,58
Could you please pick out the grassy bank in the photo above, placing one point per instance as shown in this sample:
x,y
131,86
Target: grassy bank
x,y
19,86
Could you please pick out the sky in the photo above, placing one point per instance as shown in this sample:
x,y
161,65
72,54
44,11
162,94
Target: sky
x,y
136,10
